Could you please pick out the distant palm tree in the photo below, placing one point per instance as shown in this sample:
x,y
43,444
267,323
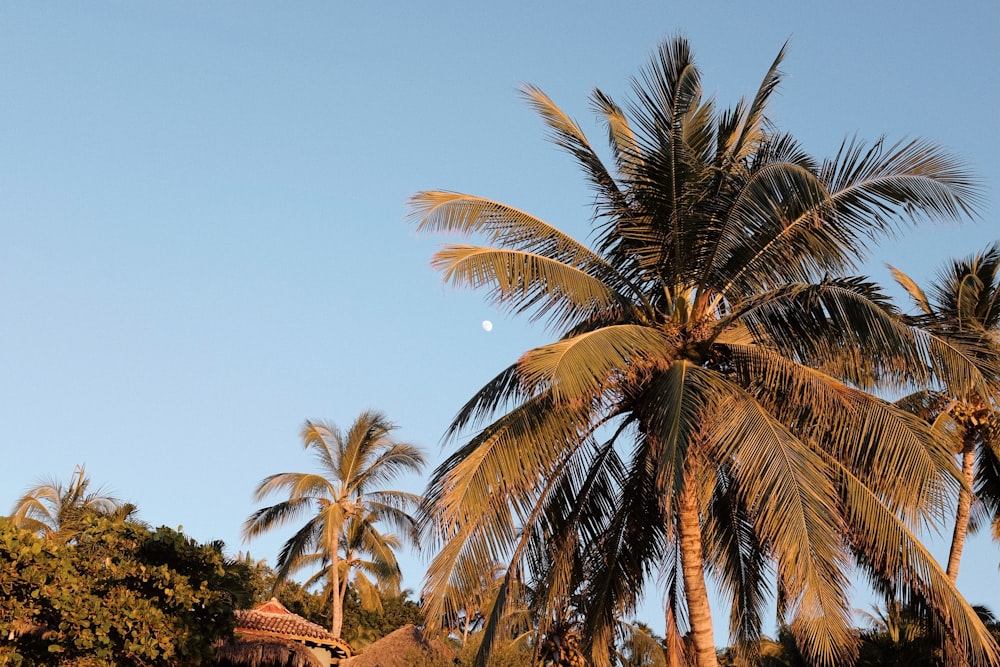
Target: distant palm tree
x,y
964,302
642,648
700,411
53,509
344,503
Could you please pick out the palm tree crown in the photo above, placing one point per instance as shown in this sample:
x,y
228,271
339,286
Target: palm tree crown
x,y
701,411
345,504
52,508
963,302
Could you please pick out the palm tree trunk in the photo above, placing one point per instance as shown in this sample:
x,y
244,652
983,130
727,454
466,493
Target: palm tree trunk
x,y
962,513
337,607
695,591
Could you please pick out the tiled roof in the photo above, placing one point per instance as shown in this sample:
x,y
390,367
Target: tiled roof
x,y
274,619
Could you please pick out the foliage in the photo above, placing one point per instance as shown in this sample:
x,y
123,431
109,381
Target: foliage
x,y
506,655
119,594
53,508
963,302
362,625
765,652
642,648
705,407
366,625
346,507
263,583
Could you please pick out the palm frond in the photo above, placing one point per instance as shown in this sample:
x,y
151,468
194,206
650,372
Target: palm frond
x,y
297,485
521,282
581,367
567,134
889,551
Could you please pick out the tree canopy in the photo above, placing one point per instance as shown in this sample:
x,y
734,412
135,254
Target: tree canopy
x,y
120,594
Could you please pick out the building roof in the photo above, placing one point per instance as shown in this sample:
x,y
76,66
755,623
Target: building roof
x,y
273,619
264,651
402,648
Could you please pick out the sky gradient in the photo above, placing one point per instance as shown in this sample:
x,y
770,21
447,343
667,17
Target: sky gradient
x,y
202,208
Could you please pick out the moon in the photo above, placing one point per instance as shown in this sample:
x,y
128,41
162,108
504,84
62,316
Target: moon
x,y
487,325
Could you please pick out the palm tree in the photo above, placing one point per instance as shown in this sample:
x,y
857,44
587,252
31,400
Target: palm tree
x,y
53,509
964,301
898,635
703,409
345,504
642,648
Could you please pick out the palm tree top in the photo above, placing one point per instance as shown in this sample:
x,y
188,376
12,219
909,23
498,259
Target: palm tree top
x,y
50,506
702,402
345,502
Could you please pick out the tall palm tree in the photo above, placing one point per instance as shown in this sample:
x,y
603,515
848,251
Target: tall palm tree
x,y
345,504
702,410
964,301
52,508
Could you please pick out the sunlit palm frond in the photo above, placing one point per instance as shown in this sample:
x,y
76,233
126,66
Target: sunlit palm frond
x,y
770,233
579,368
567,134
324,441
912,289
899,456
620,135
390,461
502,225
890,552
296,485
792,505
551,535
520,282
749,133
267,518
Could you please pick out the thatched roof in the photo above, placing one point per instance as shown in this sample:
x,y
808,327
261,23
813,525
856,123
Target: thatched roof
x,y
401,648
272,619
266,652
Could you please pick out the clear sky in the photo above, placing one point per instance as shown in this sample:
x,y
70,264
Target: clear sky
x,y
202,233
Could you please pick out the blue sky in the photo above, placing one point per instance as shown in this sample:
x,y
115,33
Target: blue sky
x,y
202,233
